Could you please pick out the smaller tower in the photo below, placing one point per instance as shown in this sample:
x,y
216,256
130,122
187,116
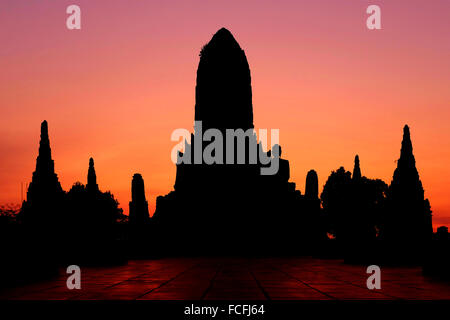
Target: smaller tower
x,y
138,204
356,169
92,185
312,186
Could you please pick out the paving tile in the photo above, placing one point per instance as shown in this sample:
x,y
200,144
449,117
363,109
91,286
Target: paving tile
x,y
234,279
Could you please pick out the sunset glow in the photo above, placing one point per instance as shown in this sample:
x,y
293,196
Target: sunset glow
x,y
116,89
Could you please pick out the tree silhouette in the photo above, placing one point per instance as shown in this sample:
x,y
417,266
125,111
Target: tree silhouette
x,y
353,206
336,201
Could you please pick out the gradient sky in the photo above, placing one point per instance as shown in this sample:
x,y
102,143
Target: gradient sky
x,y
116,89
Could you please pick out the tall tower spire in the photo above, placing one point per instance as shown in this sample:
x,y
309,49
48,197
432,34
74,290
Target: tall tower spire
x,y
410,214
45,167
92,177
356,169
44,191
406,176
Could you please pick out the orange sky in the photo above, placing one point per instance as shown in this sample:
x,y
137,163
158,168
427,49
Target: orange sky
x,y
116,89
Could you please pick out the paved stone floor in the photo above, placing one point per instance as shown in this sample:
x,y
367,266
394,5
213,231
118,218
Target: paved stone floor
x,y
235,278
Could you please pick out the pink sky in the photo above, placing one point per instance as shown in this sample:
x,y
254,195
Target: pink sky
x,y
116,89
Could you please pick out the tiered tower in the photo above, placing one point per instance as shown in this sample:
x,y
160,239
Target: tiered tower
x,y
44,193
409,214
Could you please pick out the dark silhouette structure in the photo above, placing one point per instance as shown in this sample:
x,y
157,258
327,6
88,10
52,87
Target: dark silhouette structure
x,y
223,94
352,205
44,195
313,215
42,215
93,217
336,201
138,205
139,226
407,227
74,227
226,207
312,186
356,169
222,207
92,185
442,234
437,256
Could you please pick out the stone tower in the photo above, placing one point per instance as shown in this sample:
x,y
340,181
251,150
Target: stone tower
x,y
356,169
312,186
138,204
223,206
409,219
92,185
44,192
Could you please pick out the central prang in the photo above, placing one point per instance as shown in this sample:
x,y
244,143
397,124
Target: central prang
x,y
223,94
219,207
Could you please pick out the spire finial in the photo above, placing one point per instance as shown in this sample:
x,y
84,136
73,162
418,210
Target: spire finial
x,y
406,153
44,128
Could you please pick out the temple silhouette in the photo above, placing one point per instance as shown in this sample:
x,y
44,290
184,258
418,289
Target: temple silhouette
x,y
227,208
77,226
